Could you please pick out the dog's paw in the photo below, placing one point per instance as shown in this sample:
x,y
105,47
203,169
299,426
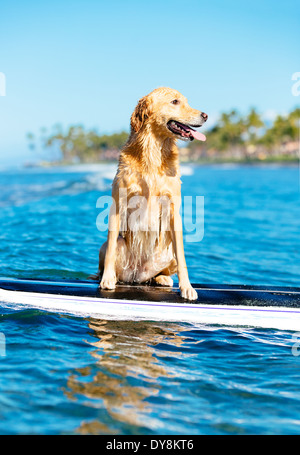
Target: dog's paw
x,y
107,283
189,293
164,280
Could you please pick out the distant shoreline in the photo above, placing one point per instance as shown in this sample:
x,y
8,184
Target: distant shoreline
x,y
250,162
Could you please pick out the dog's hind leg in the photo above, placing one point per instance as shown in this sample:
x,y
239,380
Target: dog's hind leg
x,y
164,278
96,276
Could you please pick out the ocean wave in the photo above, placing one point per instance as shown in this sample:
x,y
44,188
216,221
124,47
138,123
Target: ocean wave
x,y
34,188
186,169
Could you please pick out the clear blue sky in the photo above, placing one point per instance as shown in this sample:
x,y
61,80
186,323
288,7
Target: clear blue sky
x,y
89,61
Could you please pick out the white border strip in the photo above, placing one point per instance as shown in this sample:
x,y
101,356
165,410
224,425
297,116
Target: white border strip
x,y
267,317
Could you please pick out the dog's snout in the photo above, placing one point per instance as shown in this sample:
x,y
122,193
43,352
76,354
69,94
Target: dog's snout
x,y
204,116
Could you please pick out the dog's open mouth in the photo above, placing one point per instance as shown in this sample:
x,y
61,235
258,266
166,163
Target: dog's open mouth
x,y
185,131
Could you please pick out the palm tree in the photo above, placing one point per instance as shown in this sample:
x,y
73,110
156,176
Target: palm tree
x,y
253,123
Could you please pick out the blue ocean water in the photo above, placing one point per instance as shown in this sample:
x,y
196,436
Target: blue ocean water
x,y
68,375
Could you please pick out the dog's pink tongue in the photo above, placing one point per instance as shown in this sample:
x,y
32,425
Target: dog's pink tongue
x,y
198,136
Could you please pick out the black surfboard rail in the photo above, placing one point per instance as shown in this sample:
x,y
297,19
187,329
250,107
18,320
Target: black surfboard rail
x,y
208,294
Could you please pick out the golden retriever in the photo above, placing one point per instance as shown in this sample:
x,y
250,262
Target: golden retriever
x,y
138,249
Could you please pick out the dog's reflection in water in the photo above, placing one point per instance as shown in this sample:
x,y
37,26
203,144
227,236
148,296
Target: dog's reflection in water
x,y
125,353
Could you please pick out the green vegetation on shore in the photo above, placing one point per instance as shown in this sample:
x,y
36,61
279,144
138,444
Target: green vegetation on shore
x,y
248,138
77,144
233,138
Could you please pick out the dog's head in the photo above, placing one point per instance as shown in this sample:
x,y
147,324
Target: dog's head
x,y
168,113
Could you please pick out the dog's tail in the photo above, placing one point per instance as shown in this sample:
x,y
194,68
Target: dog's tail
x,y
95,276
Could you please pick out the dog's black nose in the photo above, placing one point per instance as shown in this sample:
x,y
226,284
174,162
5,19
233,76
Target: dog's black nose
x,y
204,116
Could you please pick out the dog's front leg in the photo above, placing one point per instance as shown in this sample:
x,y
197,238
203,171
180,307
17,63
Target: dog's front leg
x,y
187,291
109,279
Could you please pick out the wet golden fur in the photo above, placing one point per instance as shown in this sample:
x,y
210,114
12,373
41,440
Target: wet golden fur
x,y
149,166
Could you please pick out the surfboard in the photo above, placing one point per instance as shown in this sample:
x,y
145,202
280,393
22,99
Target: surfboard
x,y
229,305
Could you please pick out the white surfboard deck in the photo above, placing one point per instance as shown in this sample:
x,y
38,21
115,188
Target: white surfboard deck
x,y
277,308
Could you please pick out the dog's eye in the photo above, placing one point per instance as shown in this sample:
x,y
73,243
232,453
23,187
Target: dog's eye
x,y
175,102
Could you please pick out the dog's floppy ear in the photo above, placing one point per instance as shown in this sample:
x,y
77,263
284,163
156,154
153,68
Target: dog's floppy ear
x,y
140,114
